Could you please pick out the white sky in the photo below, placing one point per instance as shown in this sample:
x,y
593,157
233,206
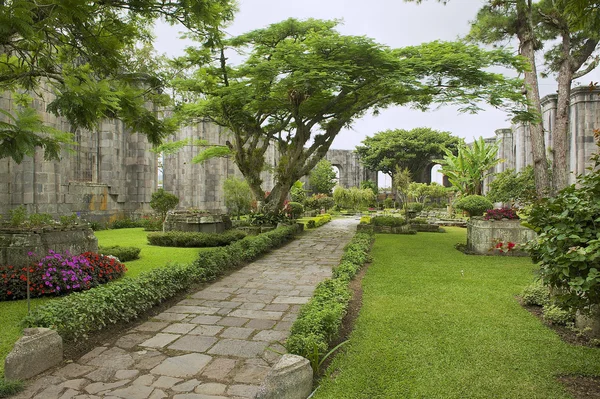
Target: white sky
x,y
390,22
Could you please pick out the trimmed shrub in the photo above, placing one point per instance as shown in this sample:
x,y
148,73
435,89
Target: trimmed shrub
x,y
125,223
124,254
414,206
536,294
80,313
195,240
555,315
474,205
311,224
320,201
163,201
365,220
294,209
319,320
391,221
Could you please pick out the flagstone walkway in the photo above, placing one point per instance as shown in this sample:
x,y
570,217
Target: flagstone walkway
x,y
218,343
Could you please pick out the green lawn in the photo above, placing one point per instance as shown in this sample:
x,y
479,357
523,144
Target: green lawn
x,y
11,313
436,323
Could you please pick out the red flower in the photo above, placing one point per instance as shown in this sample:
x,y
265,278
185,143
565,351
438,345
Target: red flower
x,y
511,245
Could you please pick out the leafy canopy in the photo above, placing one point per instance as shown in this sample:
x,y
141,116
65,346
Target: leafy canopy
x,y
90,60
322,178
238,198
302,82
510,186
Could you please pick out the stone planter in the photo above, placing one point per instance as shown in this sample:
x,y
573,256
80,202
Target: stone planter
x,y
482,235
197,222
15,244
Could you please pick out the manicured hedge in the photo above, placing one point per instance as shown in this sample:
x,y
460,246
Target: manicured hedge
x,y
319,320
124,254
78,314
196,240
391,221
316,221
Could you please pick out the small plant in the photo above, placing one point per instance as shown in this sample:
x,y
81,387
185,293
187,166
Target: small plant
x,y
123,254
266,219
499,214
502,246
474,205
41,219
294,209
18,215
69,220
536,294
162,202
388,203
555,315
10,387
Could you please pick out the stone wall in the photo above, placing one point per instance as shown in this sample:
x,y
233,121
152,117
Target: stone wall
x,y
482,235
16,244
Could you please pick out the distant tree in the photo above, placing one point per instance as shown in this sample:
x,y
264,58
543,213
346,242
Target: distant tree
x,y
163,201
238,197
401,182
413,149
371,185
467,170
303,82
322,178
353,198
510,186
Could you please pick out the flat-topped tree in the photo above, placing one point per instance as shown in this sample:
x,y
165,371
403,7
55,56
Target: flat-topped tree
x,y
302,82
95,58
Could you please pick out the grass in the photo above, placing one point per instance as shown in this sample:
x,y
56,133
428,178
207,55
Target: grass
x,y
11,313
436,323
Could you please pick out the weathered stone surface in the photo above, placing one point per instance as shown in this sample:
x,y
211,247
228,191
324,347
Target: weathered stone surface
x,y
205,319
482,235
179,328
271,336
101,374
193,343
182,366
290,378
152,326
126,374
38,350
237,332
73,370
160,340
96,387
211,388
257,314
244,391
186,386
75,384
133,392
115,358
131,340
219,368
251,374
238,348
209,331
166,382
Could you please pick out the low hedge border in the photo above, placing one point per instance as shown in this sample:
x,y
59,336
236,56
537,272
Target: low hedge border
x,y
319,320
79,314
195,240
124,254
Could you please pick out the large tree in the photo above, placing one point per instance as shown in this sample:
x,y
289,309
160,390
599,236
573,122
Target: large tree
x,y
93,59
412,149
322,178
302,82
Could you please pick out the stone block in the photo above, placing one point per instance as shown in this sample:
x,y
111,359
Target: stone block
x,y
290,378
38,350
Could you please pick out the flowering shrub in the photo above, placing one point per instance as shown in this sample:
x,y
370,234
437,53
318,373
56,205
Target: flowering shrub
x,y
57,274
501,246
499,214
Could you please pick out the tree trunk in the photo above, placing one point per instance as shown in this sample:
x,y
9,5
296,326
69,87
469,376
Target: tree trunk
x,y
526,49
560,133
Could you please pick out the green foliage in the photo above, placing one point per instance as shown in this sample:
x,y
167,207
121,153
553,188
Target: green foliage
x,y
319,320
536,294
320,201
69,220
388,203
124,223
81,313
401,182
18,215
162,202
322,178
467,170
424,193
41,219
124,254
412,149
302,82
238,197
371,185
555,315
414,206
474,205
391,221
298,193
353,198
151,223
365,220
266,219
10,387
510,186
295,209
316,221
311,224
568,244
196,240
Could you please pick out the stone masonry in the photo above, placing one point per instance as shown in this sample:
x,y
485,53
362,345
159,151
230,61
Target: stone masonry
x,y
219,343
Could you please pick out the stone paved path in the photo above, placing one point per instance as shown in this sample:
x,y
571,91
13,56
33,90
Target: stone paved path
x,y
216,344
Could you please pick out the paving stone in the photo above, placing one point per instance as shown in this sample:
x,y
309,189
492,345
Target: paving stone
x,y
133,392
198,396
290,317
283,326
192,309
147,359
166,382
193,343
260,324
160,340
219,368
251,374
92,354
87,397
50,392
237,332
292,300
73,370
96,387
223,312
187,386
130,340
75,384
223,304
179,328
170,316
191,301
211,388
253,305
245,391
271,336
238,348
232,321
212,295
152,326
277,307
209,331
158,394
257,314
101,374
115,358
126,374
205,319
145,379
182,366
69,394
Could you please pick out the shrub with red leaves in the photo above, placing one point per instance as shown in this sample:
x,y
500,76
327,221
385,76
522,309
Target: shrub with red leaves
x,y
499,214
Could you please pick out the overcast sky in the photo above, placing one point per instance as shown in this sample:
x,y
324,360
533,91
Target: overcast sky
x,y
391,22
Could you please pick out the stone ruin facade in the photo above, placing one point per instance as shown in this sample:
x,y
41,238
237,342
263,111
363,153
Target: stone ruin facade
x,y
112,173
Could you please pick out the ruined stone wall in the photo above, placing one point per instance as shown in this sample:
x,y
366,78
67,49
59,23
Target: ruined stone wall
x,y
110,173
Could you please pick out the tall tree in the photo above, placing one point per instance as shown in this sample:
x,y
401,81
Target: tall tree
x,y
87,54
322,177
413,149
302,82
